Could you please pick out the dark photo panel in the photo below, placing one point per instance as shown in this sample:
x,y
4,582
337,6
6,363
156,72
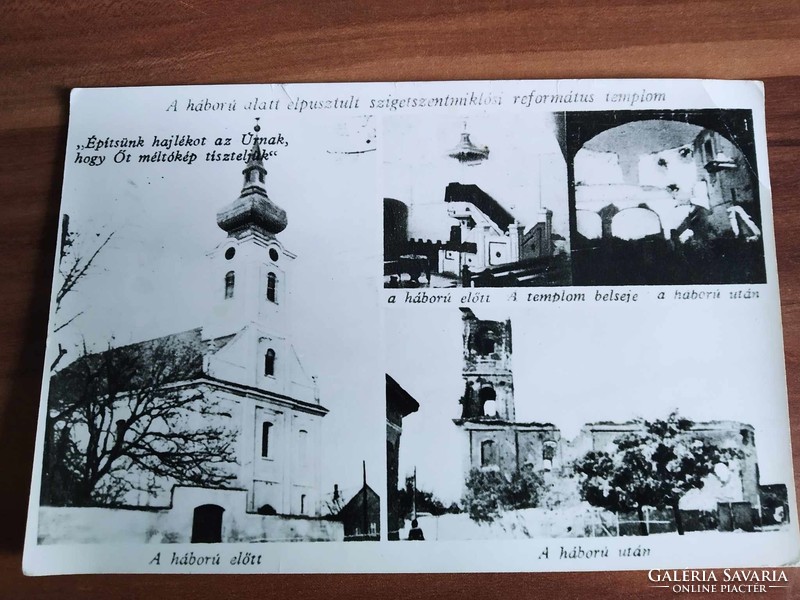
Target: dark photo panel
x,y
664,198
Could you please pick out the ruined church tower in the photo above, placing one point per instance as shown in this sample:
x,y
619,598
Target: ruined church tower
x,y
488,378
495,440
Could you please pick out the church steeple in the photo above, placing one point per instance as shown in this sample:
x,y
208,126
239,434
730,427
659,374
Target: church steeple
x,y
254,172
253,210
251,267
468,153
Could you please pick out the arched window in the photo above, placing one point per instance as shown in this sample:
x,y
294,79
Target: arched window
x,y
487,453
302,447
266,509
272,282
269,363
302,504
488,397
548,454
229,282
265,427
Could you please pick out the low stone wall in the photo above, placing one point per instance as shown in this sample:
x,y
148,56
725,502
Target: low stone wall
x,y
62,525
257,528
69,525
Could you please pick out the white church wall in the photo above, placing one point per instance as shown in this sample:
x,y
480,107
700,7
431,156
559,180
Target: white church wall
x,y
598,168
251,260
269,469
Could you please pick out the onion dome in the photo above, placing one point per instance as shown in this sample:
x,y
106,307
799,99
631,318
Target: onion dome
x,y
253,208
467,152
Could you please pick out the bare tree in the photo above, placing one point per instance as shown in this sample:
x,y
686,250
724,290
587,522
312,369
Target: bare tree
x,y
128,419
76,255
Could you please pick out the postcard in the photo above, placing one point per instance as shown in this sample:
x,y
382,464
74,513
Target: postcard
x,y
414,327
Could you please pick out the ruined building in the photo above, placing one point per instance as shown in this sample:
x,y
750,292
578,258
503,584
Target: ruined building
x,y
699,189
497,441
664,197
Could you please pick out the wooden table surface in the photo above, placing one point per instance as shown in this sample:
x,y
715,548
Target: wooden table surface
x,y
46,48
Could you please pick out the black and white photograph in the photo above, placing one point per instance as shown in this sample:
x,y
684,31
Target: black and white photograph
x,y
231,384
474,201
208,347
497,429
664,197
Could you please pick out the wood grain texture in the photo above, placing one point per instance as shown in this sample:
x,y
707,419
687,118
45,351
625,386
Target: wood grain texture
x,y
46,48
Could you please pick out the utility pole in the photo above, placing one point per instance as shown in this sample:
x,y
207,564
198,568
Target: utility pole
x,y
365,497
414,495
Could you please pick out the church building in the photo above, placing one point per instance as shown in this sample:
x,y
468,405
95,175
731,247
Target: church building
x,y
242,366
483,230
255,364
496,441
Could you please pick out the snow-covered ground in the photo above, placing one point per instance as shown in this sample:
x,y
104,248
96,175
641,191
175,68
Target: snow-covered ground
x,y
572,522
519,524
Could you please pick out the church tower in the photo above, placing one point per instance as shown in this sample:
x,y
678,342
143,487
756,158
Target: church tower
x,y
495,440
488,378
250,358
250,271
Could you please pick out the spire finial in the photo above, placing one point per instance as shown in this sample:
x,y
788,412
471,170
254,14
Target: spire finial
x,y
255,160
